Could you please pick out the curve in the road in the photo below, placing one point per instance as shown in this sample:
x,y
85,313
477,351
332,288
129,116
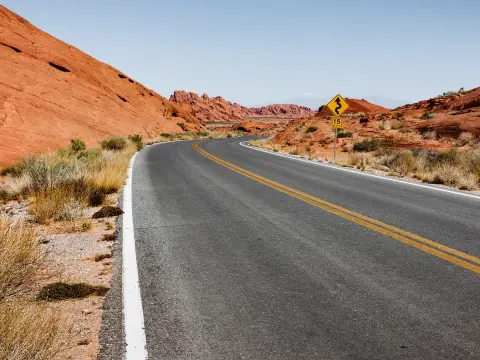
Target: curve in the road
x,y
454,256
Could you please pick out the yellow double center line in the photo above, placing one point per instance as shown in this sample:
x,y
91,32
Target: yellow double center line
x,y
454,256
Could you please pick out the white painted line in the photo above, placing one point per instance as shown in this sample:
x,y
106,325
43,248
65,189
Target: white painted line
x,y
132,299
360,173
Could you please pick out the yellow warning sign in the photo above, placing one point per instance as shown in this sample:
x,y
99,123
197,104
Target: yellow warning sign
x,y
337,105
337,122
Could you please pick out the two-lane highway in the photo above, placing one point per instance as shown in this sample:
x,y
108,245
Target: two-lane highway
x,y
248,255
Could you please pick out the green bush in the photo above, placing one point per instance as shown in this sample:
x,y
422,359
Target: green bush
x,y
115,143
182,125
367,145
342,134
203,133
427,115
77,145
137,140
311,129
89,155
11,170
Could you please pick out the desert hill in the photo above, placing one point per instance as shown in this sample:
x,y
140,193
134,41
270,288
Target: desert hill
x,y
51,92
451,120
212,109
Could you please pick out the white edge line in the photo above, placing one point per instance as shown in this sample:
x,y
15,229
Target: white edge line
x,y
293,157
135,338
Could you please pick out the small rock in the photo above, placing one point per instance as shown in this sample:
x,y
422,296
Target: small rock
x,y
45,241
87,311
107,211
83,342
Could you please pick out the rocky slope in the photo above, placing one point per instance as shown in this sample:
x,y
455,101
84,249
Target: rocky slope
x,y
439,123
217,109
51,92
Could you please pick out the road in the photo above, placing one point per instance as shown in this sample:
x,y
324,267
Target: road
x,y
248,255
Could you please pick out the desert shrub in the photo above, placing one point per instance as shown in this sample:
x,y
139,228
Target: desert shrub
x,y
137,140
58,204
464,138
96,197
182,125
385,125
115,143
367,145
202,133
405,130
89,156
77,145
396,124
447,93
11,170
44,176
341,134
34,332
311,129
6,195
360,161
430,135
21,258
427,116
398,115
165,135
402,162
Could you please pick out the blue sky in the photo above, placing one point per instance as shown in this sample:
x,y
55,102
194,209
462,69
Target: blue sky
x,y
257,52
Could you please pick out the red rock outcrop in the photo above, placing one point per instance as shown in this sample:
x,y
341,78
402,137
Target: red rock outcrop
x,y
355,106
217,109
404,127
51,92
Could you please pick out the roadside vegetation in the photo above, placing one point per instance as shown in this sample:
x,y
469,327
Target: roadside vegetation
x,y
457,168
56,187
199,135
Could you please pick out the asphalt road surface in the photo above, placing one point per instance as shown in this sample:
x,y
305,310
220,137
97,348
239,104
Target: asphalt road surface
x,y
263,257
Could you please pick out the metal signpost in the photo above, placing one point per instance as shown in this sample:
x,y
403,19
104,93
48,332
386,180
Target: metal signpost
x,y
337,106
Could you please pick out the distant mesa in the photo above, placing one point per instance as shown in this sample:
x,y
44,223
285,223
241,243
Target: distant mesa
x,y
217,109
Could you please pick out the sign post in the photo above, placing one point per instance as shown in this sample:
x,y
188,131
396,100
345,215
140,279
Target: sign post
x,y
337,106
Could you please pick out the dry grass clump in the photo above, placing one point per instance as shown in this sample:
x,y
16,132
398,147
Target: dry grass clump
x,y
464,138
21,258
266,144
452,168
199,135
360,161
63,183
429,135
31,332
400,162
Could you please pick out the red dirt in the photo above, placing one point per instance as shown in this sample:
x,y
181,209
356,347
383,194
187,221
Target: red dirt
x,y
51,92
254,127
217,109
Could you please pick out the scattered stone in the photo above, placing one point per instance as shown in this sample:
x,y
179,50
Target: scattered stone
x,y
87,311
83,342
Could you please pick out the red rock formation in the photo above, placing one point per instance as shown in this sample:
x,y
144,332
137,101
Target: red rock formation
x,y
51,92
356,106
218,109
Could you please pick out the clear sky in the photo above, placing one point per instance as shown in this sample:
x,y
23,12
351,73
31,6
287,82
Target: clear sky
x,y
260,51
